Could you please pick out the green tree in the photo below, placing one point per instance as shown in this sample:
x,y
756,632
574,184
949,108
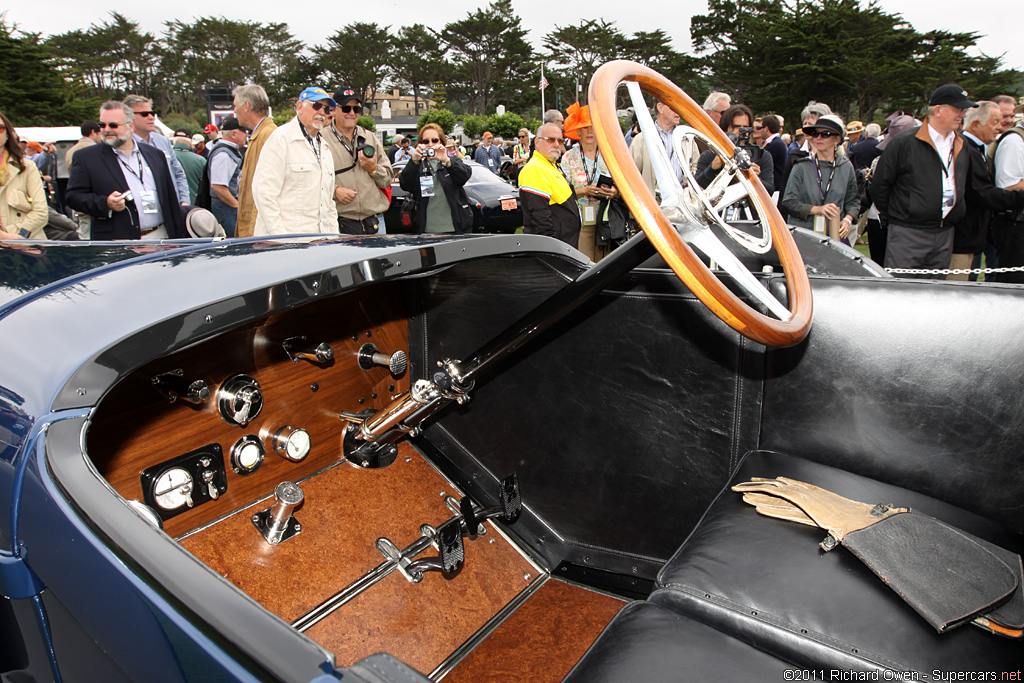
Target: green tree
x,y
358,55
367,122
418,60
491,57
441,117
32,93
473,126
578,50
506,125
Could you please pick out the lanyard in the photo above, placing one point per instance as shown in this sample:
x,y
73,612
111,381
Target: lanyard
x,y
949,162
344,142
817,170
315,146
129,168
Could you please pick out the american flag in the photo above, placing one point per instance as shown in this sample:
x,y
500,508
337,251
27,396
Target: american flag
x,y
543,83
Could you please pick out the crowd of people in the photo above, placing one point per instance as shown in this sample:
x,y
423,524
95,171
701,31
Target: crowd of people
x,y
930,195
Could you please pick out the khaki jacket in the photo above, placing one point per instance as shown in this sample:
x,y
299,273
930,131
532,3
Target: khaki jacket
x,y
23,205
369,200
246,207
292,189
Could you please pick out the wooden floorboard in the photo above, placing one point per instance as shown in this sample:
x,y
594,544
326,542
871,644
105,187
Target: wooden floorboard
x,y
542,640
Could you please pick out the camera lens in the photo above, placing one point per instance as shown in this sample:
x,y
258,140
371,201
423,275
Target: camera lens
x,y
428,152
369,151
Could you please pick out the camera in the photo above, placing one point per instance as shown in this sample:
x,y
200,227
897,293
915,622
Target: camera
x,y
744,136
427,152
368,150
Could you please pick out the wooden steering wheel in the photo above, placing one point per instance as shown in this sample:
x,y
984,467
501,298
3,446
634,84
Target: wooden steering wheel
x,y
686,213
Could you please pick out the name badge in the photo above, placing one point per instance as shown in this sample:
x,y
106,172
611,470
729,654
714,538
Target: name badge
x,y
819,224
589,215
426,186
490,161
149,204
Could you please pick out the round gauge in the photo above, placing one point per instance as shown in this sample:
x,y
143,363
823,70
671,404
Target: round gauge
x,y
292,443
173,489
247,454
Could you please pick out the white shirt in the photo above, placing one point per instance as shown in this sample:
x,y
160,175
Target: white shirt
x,y
944,145
1009,161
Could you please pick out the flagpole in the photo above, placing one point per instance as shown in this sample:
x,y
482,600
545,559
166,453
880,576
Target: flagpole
x,y
542,110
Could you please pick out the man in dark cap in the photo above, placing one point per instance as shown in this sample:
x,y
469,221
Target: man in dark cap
x,y
920,183
225,170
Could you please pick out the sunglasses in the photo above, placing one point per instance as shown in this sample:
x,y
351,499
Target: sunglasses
x,y
317,106
111,126
557,141
524,136
2,128
430,141
145,113
822,134
349,108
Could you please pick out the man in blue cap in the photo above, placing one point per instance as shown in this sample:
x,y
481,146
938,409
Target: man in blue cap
x,y
293,186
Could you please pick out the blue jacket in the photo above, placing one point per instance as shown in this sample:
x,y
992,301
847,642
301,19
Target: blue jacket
x,y
489,157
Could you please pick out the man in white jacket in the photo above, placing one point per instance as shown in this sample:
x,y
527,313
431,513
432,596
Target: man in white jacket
x,y
293,186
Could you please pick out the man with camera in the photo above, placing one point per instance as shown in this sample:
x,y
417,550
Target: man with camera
x,y
736,122
361,168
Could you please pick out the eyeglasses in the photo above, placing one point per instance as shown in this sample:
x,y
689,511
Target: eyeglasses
x,y
111,126
145,113
317,106
758,127
349,108
822,134
430,141
557,141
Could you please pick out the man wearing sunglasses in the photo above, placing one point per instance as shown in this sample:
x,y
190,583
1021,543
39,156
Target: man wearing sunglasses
x,y
124,185
293,185
548,201
361,168
144,127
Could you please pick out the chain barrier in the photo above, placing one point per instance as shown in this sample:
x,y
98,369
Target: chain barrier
x,y
953,271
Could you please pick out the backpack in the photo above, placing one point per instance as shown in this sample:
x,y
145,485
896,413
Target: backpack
x,y
204,195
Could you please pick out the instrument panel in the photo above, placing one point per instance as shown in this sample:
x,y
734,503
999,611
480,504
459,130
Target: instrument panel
x,y
213,427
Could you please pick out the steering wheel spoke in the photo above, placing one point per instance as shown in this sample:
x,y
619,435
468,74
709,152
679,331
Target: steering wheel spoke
x,y
684,217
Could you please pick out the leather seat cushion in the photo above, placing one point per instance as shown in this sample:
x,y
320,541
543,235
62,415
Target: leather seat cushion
x,y
767,582
654,644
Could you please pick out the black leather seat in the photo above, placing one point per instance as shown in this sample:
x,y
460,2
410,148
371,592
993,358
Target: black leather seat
x,y
654,644
766,582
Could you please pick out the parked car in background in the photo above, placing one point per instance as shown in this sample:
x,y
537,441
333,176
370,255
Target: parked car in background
x,y
495,203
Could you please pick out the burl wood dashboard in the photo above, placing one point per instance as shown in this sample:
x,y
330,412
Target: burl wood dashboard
x,y
432,625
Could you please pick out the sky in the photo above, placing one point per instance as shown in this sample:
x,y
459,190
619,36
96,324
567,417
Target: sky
x,y
1001,37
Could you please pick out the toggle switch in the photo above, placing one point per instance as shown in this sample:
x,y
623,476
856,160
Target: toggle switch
x,y
304,348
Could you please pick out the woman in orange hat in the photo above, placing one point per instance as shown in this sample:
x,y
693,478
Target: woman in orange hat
x,y
584,167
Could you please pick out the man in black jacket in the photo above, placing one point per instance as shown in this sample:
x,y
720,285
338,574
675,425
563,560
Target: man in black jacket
x,y
981,128
921,182
125,187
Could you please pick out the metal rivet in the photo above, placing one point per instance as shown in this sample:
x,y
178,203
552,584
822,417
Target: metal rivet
x,y
634,570
442,493
314,387
355,337
526,577
391,387
316,285
208,318
586,559
362,400
298,527
399,263
369,333
81,391
373,395
492,541
408,459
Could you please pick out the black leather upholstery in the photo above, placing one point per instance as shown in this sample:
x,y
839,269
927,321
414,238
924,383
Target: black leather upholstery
x,y
767,582
913,383
638,396
649,643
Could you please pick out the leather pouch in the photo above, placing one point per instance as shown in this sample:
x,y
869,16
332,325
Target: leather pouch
x,y
947,576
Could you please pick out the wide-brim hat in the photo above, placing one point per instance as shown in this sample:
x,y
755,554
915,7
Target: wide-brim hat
x,y
829,122
898,125
201,222
578,117
854,127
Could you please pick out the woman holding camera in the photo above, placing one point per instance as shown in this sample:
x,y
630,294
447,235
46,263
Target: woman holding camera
x,y
821,192
23,209
436,180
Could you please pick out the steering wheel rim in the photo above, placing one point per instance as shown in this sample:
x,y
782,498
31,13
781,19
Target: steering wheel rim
x,y
666,237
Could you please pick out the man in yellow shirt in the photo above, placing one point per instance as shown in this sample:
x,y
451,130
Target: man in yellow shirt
x,y
548,202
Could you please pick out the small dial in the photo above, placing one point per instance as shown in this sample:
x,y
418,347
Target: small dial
x,y
292,443
247,454
173,489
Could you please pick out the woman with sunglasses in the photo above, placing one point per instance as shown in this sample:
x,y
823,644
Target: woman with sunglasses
x,y
436,181
583,166
822,187
23,210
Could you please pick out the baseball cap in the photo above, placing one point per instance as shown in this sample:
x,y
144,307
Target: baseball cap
x,y
488,134
345,94
210,128
314,94
898,125
953,95
182,133
231,123
197,138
